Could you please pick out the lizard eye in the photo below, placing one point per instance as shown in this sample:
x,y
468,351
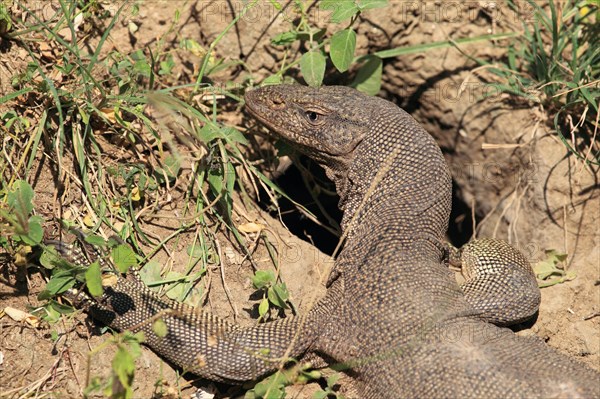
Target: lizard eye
x,y
312,116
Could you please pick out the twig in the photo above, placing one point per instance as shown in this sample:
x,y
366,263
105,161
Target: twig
x,y
222,267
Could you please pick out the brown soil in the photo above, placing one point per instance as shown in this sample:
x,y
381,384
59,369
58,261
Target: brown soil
x,y
535,194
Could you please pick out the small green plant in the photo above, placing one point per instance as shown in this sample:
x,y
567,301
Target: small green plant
x,y
342,44
13,121
274,293
273,386
556,63
329,390
550,272
21,226
5,20
340,47
65,275
120,383
181,286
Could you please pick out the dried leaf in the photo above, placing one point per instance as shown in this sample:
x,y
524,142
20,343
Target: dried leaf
x,y
109,114
251,227
109,280
65,33
88,220
46,50
21,255
136,194
20,316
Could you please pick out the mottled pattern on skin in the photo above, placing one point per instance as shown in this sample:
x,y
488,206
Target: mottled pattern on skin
x,y
499,281
394,318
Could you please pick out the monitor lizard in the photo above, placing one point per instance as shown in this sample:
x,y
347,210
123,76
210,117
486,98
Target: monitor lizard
x,y
394,318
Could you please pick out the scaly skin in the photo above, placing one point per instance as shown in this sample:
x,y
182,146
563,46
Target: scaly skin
x,y
404,326
394,319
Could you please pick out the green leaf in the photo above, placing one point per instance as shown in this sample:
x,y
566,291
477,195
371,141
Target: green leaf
x,y
85,117
332,4
52,311
232,135
93,280
263,278
312,65
194,295
5,20
167,66
142,68
307,375
545,269
150,274
273,79
195,251
215,179
556,256
512,60
60,308
312,35
134,341
342,9
271,387
59,283
139,337
35,233
229,183
123,257
368,78
587,95
210,132
138,55
343,45
95,240
548,271
284,38
20,201
319,395
568,276
332,380
20,197
123,366
160,328
193,47
180,288
171,166
49,257
263,308
278,294
369,4
51,315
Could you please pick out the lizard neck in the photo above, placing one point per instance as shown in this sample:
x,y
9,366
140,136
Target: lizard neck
x,y
397,176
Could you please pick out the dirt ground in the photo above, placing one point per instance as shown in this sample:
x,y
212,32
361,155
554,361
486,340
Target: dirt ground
x,y
526,189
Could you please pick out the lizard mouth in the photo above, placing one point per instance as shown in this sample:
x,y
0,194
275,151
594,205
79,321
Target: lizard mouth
x,y
257,107
256,114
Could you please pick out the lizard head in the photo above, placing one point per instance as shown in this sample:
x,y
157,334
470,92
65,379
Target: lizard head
x,y
324,123
368,146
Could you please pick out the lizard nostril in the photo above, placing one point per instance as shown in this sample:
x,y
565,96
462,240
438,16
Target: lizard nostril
x,y
277,102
